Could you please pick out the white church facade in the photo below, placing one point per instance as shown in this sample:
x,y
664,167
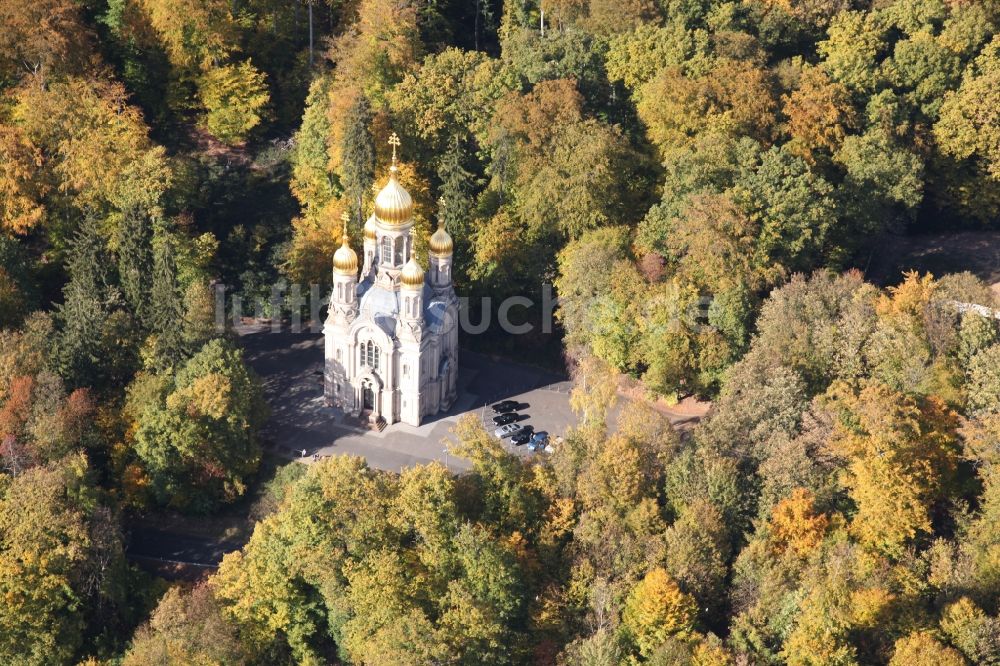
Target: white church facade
x,y
391,332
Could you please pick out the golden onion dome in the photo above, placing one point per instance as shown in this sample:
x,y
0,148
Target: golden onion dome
x,y
345,260
441,244
370,228
412,275
393,204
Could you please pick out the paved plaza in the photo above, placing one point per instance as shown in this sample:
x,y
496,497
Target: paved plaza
x,y
291,368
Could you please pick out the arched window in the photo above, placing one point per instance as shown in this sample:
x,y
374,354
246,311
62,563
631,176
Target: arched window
x,y
369,354
400,259
387,249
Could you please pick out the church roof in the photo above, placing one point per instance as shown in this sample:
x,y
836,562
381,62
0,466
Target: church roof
x,y
381,306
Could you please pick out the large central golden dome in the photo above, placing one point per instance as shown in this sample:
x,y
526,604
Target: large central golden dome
x,y
394,205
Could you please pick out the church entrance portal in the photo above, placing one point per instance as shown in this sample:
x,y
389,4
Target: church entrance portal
x,y
367,397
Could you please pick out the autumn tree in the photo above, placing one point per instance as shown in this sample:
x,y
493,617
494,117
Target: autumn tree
x,y
101,152
656,609
60,556
195,432
188,626
967,127
893,441
796,526
21,187
921,648
450,97
570,174
819,113
737,97
42,38
312,183
235,98
194,34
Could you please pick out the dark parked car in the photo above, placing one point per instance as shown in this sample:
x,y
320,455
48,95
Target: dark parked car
x,y
504,419
521,438
504,407
538,441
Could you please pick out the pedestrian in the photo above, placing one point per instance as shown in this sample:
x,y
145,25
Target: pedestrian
x,y
303,453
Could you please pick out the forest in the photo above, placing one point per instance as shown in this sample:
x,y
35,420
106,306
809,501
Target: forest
x,y
704,182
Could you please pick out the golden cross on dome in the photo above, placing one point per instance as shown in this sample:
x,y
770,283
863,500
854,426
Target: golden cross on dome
x,y
441,207
394,142
345,217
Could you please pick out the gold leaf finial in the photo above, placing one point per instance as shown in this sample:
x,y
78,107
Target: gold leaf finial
x,y
441,207
345,218
394,142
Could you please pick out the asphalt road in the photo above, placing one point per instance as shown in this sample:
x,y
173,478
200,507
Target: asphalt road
x,y
145,542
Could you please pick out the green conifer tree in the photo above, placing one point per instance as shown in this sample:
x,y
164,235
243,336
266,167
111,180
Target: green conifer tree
x,y
135,262
166,306
358,147
456,199
83,315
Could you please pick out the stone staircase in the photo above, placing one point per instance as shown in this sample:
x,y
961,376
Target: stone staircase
x,y
380,424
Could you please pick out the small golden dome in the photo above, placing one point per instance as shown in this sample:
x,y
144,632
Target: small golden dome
x,y
393,205
370,228
441,244
345,260
412,275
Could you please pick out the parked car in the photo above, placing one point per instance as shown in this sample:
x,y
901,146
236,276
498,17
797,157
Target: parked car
x,y
504,407
504,419
507,430
520,438
538,441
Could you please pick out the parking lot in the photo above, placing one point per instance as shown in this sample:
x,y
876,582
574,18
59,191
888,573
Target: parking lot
x,y
290,366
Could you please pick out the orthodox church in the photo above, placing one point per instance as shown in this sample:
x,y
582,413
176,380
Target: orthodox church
x,y
391,333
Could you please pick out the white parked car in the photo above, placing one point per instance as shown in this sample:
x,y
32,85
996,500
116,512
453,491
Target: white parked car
x,y
505,431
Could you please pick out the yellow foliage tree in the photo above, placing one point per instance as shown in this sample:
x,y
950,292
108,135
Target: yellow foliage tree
x,y
656,609
819,113
921,649
900,453
235,97
736,98
195,33
22,185
795,524
100,144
